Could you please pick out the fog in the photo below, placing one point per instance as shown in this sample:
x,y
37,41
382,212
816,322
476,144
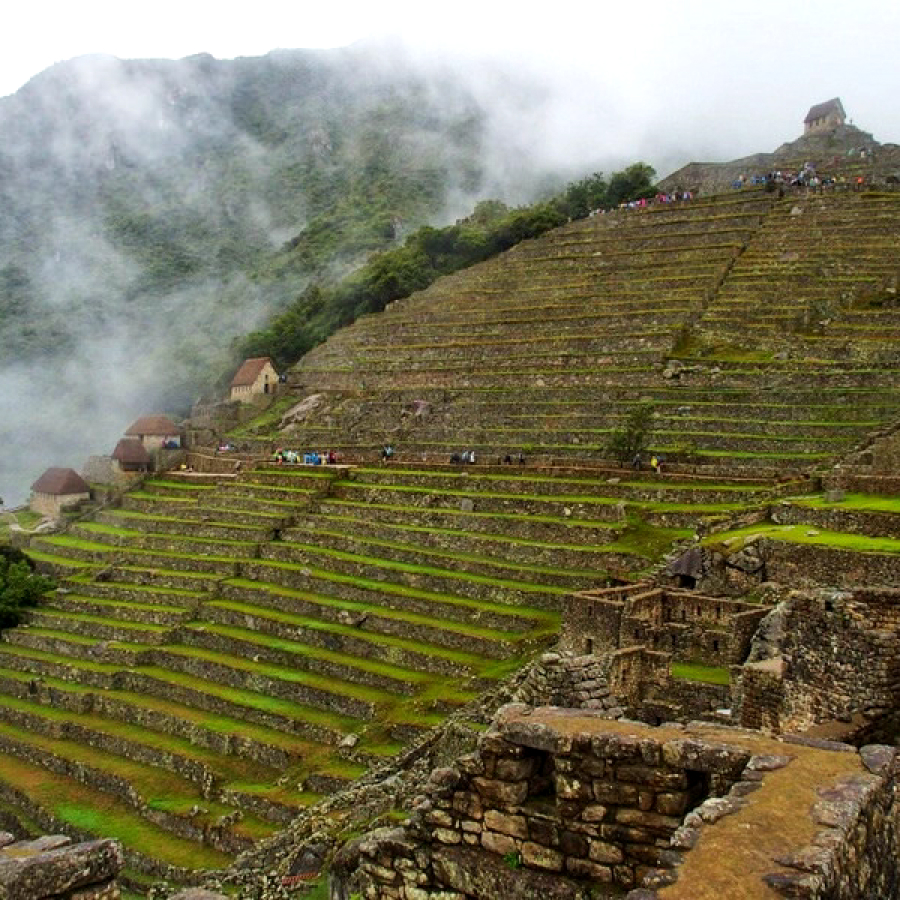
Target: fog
x,y
576,90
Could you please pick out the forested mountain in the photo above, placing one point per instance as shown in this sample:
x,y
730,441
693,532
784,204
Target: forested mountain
x,y
153,211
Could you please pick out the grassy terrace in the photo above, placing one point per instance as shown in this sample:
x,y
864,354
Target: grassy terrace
x,y
803,534
852,501
91,812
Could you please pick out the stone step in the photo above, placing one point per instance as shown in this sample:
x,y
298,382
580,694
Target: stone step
x,y
442,584
184,526
293,653
305,722
217,733
635,486
522,526
336,637
295,596
295,685
106,555
299,545
105,628
457,537
119,609
55,801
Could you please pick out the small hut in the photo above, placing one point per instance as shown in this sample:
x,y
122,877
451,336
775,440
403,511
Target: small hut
x,y
131,455
56,490
255,376
825,116
155,432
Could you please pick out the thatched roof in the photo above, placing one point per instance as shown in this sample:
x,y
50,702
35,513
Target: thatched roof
x,y
155,425
249,371
60,481
820,110
131,451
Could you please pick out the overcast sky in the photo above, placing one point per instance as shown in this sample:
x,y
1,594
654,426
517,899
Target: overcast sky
x,y
716,77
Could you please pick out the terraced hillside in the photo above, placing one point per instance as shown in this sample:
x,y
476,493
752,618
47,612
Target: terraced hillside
x,y
757,327
225,649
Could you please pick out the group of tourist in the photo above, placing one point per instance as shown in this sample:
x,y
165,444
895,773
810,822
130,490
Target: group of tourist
x,y
807,178
644,202
311,458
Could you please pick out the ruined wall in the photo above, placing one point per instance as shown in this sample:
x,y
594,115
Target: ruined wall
x,y
633,682
839,658
542,812
558,805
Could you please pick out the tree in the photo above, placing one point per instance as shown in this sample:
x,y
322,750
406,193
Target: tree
x,y
633,183
20,586
630,440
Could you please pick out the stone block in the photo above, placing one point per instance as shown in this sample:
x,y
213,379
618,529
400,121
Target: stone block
x,y
704,756
605,852
501,793
467,804
501,844
615,794
596,812
648,820
59,871
439,818
541,857
671,804
513,769
572,844
584,868
447,835
543,831
571,788
515,826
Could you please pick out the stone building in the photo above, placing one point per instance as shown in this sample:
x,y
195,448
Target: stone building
x,y
155,432
824,116
687,625
56,490
255,377
131,456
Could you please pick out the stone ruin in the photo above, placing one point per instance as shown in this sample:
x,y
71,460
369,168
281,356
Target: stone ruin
x,y
566,805
833,665
53,868
684,624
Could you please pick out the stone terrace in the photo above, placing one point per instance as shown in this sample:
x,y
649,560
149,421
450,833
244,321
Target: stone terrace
x,y
545,350
230,651
813,268
224,650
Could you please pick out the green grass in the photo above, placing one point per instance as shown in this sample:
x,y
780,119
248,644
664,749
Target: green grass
x,y
698,672
871,502
104,816
802,534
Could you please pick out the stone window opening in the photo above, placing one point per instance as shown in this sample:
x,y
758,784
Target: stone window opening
x,y
542,783
589,646
715,646
699,788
